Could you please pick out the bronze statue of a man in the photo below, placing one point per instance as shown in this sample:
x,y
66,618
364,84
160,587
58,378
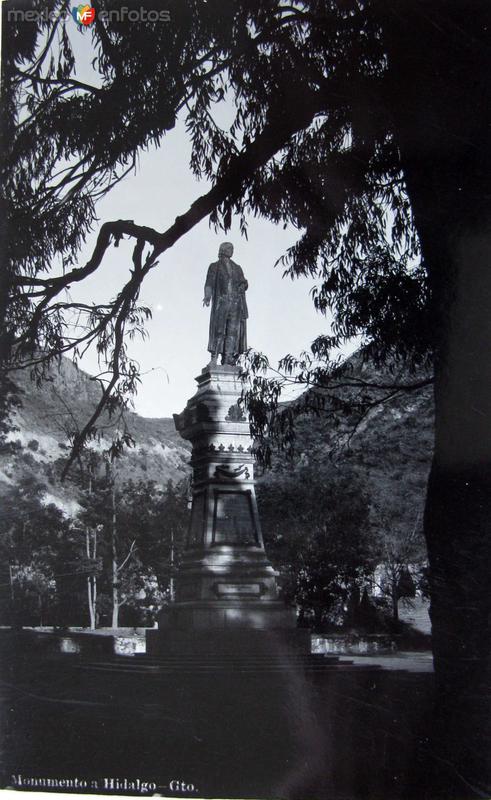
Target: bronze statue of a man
x,y
225,288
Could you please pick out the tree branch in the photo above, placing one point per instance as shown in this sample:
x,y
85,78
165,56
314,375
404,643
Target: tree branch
x,y
81,436
359,383
274,136
130,553
58,81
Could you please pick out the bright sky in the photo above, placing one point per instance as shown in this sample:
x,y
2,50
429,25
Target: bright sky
x,y
282,318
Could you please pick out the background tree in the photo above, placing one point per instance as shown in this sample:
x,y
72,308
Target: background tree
x,y
140,531
30,533
116,546
317,534
61,570
159,519
402,559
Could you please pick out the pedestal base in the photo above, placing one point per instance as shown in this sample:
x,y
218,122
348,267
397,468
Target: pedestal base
x,y
228,627
278,643
209,616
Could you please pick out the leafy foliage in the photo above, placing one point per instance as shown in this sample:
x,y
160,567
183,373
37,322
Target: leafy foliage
x,y
31,533
386,463
344,391
47,562
157,520
308,82
317,533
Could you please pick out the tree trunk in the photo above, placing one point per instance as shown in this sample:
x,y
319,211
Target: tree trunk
x,y
91,579
114,563
91,600
91,554
444,137
172,595
11,577
394,596
115,615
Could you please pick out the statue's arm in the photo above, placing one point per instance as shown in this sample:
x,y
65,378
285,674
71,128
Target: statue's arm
x,y
243,280
210,280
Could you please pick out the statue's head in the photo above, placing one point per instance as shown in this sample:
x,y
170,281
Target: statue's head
x,y
226,249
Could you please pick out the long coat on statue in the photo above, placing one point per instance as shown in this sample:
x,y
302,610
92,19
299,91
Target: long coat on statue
x,y
228,326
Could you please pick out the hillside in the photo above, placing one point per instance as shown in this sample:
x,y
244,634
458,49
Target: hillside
x,y
390,450
64,403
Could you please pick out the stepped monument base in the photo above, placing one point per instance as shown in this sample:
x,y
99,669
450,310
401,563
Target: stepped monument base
x,y
226,592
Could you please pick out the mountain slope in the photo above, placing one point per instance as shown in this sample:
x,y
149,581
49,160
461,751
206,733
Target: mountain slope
x,y
64,402
390,450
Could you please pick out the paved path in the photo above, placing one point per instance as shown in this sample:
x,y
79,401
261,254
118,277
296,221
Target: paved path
x,y
408,661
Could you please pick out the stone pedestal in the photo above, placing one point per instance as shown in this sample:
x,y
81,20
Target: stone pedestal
x,y
225,583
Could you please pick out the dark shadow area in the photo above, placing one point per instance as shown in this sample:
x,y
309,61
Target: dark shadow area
x,y
276,726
